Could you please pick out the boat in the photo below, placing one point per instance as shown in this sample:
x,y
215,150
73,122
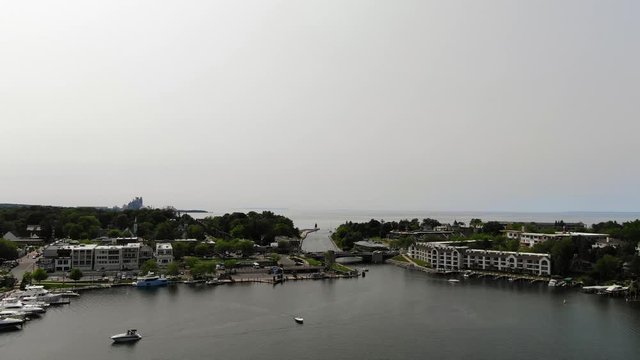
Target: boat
x,y
8,322
453,280
130,336
39,293
298,320
214,282
553,282
150,281
68,294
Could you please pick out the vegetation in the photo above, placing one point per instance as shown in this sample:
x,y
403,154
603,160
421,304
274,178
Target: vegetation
x,y
341,268
399,258
75,274
149,266
8,250
173,269
26,280
152,224
349,233
40,275
421,262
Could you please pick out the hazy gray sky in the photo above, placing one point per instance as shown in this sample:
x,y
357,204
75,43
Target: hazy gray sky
x,y
408,105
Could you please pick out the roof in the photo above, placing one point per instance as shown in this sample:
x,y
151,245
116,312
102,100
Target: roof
x,y
163,246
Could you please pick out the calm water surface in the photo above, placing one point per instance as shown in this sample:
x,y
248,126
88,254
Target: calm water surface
x,y
390,314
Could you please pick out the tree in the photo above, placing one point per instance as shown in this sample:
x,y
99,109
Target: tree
x,y
149,266
26,280
475,223
492,227
607,267
561,255
173,269
202,249
75,274
40,275
8,250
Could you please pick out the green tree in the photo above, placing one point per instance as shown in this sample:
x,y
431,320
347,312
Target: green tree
x,y
195,232
173,269
561,255
492,227
202,249
75,274
26,280
8,250
149,266
607,267
40,275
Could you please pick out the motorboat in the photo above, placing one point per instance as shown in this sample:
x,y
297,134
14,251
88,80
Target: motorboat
x,y
17,314
130,336
214,282
41,294
298,320
151,281
68,294
453,280
553,282
8,322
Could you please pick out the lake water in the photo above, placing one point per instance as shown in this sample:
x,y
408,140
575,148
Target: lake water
x,y
392,313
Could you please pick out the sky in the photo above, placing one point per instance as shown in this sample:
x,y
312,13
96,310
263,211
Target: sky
x,y
400,105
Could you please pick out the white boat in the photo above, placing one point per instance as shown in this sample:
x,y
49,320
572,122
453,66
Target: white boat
x,y
553,282
17,314
129,336
299,320
453,280
8,322
151,281
213,282
68,294
41,294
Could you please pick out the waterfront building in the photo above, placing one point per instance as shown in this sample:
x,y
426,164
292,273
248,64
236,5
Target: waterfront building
x,y
82,256
451,256
164,254
369,246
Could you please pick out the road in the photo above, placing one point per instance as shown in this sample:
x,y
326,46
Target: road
x,y
26,263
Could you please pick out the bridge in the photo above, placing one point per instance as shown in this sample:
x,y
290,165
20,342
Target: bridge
x,y
367,256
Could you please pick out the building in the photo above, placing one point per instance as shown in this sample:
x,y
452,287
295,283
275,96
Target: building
x,y
20,241
82,256
164,254
445,256
530,239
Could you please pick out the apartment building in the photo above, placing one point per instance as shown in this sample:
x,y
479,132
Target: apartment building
x,y
449,256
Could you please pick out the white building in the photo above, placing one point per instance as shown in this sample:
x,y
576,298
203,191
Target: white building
x,y
444,256
164,254
530,239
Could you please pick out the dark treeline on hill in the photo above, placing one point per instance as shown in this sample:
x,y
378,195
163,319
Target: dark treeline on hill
x,y
152,224
349,233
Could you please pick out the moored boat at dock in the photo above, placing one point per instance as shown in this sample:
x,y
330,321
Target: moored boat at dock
x,y
151,281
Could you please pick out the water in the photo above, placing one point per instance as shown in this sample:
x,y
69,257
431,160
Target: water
x,y
392,313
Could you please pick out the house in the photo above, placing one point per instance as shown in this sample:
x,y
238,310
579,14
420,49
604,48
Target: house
x,y
20,241
164,254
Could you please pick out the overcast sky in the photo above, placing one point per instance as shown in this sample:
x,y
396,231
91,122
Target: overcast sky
x,y
399,105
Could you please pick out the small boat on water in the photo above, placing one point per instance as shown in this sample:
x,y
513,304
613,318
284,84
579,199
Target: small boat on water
x,y
150,281
130,336
453,280
298,320
214,282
